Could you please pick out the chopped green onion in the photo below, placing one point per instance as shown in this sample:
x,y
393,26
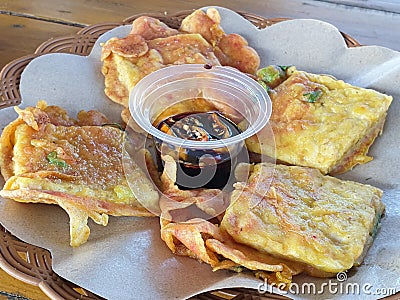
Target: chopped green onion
x,y
268,74
313,96
52,158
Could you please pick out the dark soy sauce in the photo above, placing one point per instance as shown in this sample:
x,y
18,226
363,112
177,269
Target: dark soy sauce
x,y
196,167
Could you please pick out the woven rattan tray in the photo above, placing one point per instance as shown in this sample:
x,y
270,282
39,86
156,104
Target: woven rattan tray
x,y
32,264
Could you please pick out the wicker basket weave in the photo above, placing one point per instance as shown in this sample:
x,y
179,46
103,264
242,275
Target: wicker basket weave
x,y
32,264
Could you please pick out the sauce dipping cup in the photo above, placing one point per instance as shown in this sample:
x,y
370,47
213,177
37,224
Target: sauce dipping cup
x,y
194,88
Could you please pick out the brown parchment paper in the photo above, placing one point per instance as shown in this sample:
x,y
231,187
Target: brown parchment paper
x,y
127,259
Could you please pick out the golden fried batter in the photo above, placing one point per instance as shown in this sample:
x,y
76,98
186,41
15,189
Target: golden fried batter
x,y
298,214
321,122
77,165
230,49
152,45
194,235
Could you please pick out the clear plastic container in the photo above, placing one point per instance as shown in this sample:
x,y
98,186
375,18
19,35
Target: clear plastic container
x,y
235,95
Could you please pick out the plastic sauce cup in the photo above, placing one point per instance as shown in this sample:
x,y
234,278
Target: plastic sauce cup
x,y
235,95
